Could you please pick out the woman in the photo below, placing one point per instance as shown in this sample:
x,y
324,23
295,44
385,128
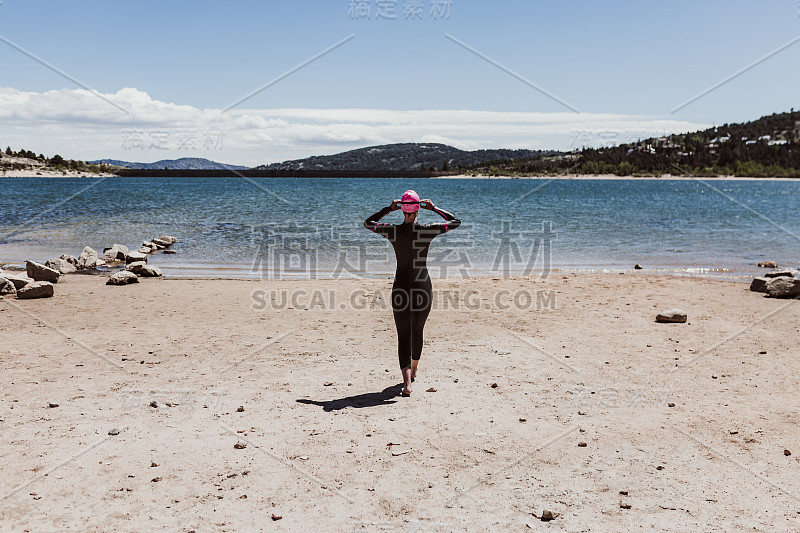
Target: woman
x,y
412,293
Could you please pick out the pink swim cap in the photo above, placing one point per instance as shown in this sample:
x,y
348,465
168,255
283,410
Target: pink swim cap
x,y
409,202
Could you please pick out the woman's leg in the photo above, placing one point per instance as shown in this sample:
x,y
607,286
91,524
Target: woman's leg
x,y
402,322
421,308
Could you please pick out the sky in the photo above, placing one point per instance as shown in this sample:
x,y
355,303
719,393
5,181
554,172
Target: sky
x,y
255,82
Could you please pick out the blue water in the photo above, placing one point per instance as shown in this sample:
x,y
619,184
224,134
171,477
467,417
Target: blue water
x,y
231,227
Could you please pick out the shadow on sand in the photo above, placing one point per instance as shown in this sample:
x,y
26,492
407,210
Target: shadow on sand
x,y
370,399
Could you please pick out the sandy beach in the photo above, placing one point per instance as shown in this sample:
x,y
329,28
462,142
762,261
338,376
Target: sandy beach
x,y
278,416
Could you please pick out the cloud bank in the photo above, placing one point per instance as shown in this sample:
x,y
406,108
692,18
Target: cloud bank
x,y
80,124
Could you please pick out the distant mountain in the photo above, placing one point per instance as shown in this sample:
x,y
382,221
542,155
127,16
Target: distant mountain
x,y
405,156
184,163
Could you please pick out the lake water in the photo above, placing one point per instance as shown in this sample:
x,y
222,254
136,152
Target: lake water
x,y
292,227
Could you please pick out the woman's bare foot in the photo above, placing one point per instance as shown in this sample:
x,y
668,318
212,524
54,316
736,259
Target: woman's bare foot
x,y
406,381
414,364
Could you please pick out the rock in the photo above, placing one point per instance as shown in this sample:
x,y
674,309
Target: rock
x,y
787,272
154,404
114,431
39,272
122,278
549,515
783,287
787,453
87,259
167,238
759,284
146,250
71,259
156,479
117,252
431,390
162,242
7,288
135,267
768,264
240,445
36,289
493,385
624,505
673,316
637,266
132,257
150,271
52,405
582,445
19,281
62,265
170,252
276,516
240,409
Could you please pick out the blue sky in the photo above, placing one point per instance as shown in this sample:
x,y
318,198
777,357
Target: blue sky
x,y
618,62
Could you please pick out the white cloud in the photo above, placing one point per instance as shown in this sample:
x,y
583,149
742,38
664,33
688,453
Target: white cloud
x,y
79,124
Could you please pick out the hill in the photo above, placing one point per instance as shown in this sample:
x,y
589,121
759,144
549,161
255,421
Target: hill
x,y
766,147
184,163
403,157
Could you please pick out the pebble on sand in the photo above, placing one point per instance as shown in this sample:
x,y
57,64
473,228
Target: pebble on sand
x,y
787,453
582,445
768,264
637,266
52,405
240,409
276,516
549,515
114,431
240,445
675,316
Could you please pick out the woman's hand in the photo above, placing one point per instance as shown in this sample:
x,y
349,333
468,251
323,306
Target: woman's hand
x,y
427,205
395,205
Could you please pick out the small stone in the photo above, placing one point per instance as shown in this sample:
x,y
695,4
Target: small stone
x,y
154,404
523,419
327,384
52,405
786,272
582,445
243,497
493,385
675,316
787,453
624,505
714,376
114,431
153,465
783,287
40,272
637,266
623,493
768,264
549,515
276,516
431,390
122,278
759,285
240,445
240,409
155,480
670,404
170,252
659,467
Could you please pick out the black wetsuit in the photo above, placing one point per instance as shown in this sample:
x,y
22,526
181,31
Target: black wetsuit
x,y
412,293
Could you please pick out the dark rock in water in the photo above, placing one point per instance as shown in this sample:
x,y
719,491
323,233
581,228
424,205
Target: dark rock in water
x,y
37,289
117,252
637,266
7,288
39,272
672,316
62,265
122,278
789,273
163,243
759,285
87,259
170,252
768,264
783,287
132,257
168,239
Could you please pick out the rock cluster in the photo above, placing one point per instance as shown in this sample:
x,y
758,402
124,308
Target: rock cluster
x,y
39,278
783,283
